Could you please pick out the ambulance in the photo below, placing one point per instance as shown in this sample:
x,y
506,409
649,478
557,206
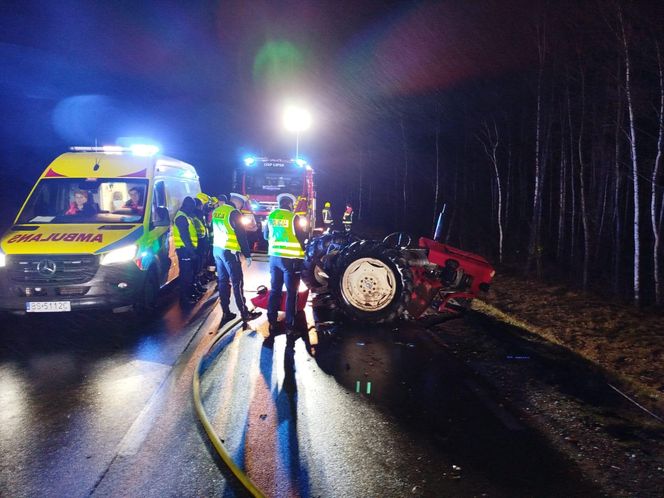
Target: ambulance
x,y
95,232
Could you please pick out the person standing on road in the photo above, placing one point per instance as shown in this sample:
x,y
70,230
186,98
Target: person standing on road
x,y
328,221
229,240
347,218
286,250
185,239
203,241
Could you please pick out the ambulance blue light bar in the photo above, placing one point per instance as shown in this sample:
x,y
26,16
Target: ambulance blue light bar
x,y
135,149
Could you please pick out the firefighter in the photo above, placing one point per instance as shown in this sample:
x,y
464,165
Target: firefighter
x,y
229,240
347,218
286,250
327,217
185,239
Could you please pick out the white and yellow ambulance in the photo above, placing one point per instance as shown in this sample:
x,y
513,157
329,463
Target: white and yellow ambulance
x,y
94,233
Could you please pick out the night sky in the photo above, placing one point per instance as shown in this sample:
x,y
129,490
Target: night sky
x,y
207,80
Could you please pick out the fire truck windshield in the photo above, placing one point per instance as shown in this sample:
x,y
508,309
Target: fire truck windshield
x,y
274,182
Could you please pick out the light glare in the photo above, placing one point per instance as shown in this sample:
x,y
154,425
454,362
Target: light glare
x,y
144,149
296,119
119,255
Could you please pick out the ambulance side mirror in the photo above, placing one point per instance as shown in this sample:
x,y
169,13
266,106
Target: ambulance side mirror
x,y
161,218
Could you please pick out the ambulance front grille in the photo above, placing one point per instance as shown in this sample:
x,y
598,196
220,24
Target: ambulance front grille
x,y
52,268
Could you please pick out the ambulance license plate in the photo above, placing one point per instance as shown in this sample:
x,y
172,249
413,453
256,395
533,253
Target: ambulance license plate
x,y
47,306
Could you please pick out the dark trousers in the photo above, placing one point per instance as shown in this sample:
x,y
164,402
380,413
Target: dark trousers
x,y
202,252
283,270
229,269
187,263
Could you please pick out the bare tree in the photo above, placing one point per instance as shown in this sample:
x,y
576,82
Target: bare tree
x,y
635,164
534,249
437,191
490,142
562,194
405,163
582,185
653,183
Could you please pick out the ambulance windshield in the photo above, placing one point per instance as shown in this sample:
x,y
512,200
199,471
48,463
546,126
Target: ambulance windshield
x,y
80,200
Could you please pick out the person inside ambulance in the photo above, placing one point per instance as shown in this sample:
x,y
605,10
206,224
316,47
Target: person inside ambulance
x,y
81,205
135,202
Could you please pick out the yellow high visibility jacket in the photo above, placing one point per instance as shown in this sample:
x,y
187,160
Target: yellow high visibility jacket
x,y
282,239
222,231
177,238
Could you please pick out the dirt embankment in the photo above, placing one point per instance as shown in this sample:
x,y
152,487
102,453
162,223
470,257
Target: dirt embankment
x,y
626,341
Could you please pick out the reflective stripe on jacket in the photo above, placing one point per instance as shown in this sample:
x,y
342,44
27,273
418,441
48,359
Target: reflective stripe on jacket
x,y
282,238
177,239
222,231
327,216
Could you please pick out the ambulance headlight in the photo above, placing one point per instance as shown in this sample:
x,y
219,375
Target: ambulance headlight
x,y
119,255
3,259
303,222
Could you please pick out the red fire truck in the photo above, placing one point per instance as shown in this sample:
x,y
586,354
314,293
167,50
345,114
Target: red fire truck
x,y
261,180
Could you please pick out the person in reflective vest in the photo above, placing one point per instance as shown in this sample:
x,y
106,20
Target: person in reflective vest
x,y
229,241
203,241
327,217
185,240
285,239
347,218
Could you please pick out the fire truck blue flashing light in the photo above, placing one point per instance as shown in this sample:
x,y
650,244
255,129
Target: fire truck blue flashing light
x,y
301,163
249,161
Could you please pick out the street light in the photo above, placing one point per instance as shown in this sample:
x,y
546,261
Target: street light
x,y
297,119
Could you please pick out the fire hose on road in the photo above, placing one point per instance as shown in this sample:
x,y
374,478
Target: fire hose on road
x,y
213,351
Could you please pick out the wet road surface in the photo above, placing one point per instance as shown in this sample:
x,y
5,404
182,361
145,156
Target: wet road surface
x,y
377,412
98,406
74,391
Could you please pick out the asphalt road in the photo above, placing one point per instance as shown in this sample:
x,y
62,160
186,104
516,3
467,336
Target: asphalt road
x,y
98,406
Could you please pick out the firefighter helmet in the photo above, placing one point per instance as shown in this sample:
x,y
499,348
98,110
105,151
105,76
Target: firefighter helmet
x,y
327,204
204,198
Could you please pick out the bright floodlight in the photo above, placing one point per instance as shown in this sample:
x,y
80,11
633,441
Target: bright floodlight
x,y
249,161
296,119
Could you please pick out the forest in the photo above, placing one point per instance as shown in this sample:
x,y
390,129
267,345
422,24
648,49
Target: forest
x,y
554,169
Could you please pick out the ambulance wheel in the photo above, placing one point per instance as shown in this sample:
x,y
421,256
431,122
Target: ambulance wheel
x,y
371,282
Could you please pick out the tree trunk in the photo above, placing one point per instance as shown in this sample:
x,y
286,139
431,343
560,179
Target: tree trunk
x,y
534,249
653,184
562,195
635,166
436,199
582,189
490,142
616,193
405,175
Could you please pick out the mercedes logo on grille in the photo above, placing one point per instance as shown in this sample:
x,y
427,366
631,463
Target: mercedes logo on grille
x,y
46,267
